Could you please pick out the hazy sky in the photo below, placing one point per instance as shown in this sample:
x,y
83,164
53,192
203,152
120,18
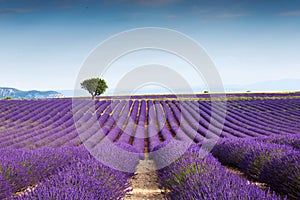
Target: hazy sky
x,y
44,43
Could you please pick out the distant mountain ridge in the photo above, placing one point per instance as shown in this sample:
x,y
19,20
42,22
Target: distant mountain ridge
x,y
283,85
18,94
277,85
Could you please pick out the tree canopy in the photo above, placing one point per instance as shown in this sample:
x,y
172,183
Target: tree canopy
x,y
95,86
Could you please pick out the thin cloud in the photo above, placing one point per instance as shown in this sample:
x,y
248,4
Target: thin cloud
x,y
33,6
30,5
149,2
170,16
290,13
230,15
15,10
140,15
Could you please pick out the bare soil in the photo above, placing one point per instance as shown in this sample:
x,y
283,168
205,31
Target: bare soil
x,y
145,184
241,174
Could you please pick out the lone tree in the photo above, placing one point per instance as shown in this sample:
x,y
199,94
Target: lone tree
x,y
95,86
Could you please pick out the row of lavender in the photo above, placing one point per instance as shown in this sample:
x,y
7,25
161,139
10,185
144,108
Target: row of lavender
x,y
143,124
271,161
212,95
60,173
70,172
194,177
197,121
40,123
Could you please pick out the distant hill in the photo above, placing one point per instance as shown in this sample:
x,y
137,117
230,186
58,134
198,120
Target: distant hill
x,y
283,85
17,94
276,85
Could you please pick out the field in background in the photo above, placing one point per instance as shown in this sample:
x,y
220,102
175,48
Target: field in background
x,y
258,137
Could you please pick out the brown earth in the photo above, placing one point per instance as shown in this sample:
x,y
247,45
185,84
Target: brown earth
x,y
145,184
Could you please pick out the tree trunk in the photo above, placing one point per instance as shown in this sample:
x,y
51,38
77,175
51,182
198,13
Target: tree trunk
x,y
93,97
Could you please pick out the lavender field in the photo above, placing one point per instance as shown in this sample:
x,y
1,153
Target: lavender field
x,y
43,154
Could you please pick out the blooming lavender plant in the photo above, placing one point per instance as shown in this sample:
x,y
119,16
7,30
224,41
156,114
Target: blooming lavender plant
x,y
191,177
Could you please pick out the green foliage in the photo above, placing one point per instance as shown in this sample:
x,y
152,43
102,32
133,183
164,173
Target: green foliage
x,y
95,86
206,92
9,97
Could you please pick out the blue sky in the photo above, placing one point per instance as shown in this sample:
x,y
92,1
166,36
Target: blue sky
x,y
44,43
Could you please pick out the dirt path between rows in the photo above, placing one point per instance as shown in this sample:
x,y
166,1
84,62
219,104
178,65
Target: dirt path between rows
x,y
235,171
145,184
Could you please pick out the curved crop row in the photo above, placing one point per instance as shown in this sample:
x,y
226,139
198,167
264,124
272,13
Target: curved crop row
x,y
259,160
141,123
192,177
